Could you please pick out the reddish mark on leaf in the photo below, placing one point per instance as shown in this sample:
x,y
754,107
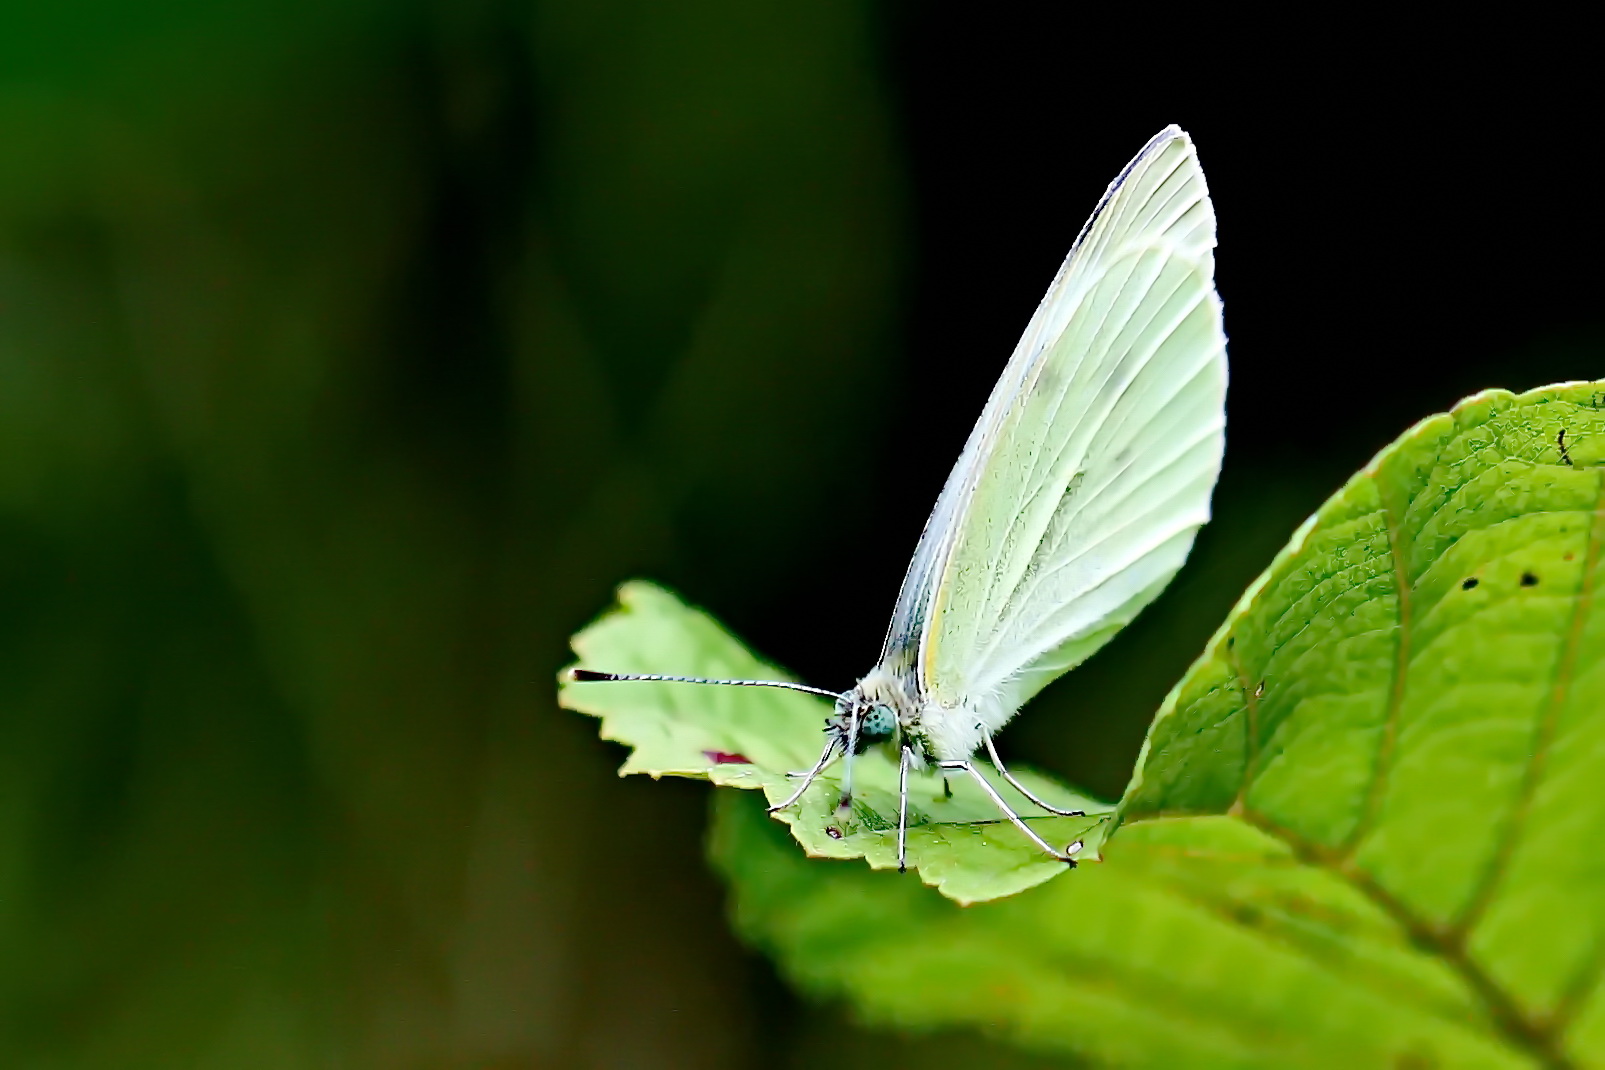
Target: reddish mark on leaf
x,y
721,757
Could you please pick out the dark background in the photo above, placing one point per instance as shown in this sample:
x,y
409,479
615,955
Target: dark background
x,y
351,352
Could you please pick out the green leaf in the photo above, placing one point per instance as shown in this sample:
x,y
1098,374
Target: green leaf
x,y
1409,702
1365,830
750,737
1201,945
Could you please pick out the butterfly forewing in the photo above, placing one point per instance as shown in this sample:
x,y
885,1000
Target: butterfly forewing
x,y
1079,491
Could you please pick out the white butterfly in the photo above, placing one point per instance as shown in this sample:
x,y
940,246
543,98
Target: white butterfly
x,y
1075,500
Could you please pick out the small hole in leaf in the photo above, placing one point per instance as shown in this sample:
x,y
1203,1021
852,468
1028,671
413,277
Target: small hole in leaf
x,y
833,832
1529,580
1468,583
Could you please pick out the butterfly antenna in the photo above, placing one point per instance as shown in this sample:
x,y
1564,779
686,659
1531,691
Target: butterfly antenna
x,y
590,676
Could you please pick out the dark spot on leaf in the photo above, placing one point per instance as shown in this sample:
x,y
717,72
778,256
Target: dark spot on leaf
x,y
1231,641
1567,556
722,757
1468,583
833,832
1529,580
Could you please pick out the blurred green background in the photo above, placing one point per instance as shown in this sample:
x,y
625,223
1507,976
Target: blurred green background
x,y
351,352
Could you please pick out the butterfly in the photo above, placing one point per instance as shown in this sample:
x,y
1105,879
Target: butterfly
x,y
1075,501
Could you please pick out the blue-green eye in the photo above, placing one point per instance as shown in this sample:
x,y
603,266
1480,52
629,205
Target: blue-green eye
x,y
878,724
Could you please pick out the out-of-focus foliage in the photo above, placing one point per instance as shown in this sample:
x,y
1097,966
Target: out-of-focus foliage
x,y
347,352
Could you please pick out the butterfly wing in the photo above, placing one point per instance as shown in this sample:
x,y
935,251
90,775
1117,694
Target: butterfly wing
x,y
1079,492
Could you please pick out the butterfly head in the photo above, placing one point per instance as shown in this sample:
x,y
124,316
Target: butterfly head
x,y
863,725
871,714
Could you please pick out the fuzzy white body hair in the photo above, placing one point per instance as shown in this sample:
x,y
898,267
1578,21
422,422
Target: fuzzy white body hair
x,y
951,733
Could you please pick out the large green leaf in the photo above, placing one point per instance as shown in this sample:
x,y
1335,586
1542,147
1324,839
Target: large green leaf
x,y
1408,702
749,737
1365,828
1197,945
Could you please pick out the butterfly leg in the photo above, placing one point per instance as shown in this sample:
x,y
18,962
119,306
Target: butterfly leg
x,y
997,763
799,774
810,777
902,809
1002,804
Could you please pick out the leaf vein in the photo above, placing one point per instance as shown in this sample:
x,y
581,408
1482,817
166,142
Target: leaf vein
x,y
1538,1038
1401,660
1321,955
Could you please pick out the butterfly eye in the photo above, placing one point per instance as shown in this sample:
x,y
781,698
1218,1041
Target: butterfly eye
x,y
878,725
